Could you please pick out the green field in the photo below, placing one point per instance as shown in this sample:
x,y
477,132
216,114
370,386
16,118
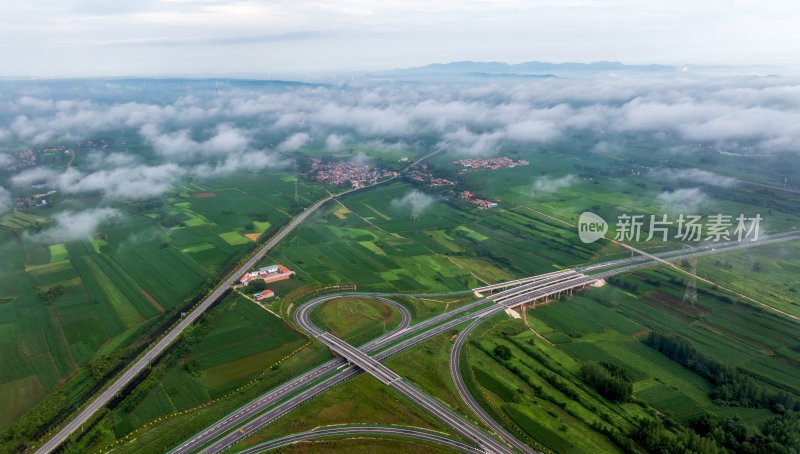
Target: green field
x,y
236,347
58,252
446,249
428,366
356,320
68,303
362,399
539,390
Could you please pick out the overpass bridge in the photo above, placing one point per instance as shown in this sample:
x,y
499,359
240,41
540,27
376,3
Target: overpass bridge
x,y
441,411
483,291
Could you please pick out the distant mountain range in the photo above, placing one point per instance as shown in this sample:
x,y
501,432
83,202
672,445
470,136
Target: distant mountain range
x,y
531,68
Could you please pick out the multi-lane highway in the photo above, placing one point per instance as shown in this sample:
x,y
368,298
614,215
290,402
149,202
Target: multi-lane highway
x,y
557,282
144,361
270,398
351,431
422,399
310,384
405,339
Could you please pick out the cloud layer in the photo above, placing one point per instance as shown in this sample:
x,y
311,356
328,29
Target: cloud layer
x,y
546,185
5,200
415,200
203,132
74,225
683,200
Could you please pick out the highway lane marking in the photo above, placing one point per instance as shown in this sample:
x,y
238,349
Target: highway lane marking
x,y
479,314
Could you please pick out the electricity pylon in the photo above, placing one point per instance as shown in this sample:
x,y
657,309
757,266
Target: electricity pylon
x,y
690,295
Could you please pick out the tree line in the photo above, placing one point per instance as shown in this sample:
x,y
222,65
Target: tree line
x,y
731,386
608,379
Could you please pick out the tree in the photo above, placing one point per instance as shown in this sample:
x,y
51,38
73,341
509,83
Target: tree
x,y
256,285
503,352
608,379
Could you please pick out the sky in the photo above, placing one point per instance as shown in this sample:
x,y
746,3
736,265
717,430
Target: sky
x,y
73,38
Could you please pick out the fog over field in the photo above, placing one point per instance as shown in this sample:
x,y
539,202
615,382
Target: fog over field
x,y
209,128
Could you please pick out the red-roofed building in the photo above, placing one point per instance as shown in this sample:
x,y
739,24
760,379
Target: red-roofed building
x,y
272,273
261,296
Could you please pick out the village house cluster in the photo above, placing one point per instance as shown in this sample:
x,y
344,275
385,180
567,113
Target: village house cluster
x,y
358,175
22,160
480,203
430,180
502,162
34,201
424,176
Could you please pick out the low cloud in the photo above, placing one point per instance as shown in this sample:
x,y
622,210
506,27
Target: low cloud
x,y
683,200
5,200
5,159
694,176
99,160
294,142
335,142
605,147
204,134
361,158
75,225
465,142
759,112
251,160
124,183
546,185
532,131
180,146
33,176
415,200
385,146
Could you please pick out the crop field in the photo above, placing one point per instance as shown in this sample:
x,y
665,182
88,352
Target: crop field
x,y
376,245
611,185
237,342
527,393
63,304
608,324
66,303
20,221
769,274
236,350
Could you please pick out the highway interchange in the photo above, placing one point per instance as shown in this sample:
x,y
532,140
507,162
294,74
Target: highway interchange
x,y
257,414
282,399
